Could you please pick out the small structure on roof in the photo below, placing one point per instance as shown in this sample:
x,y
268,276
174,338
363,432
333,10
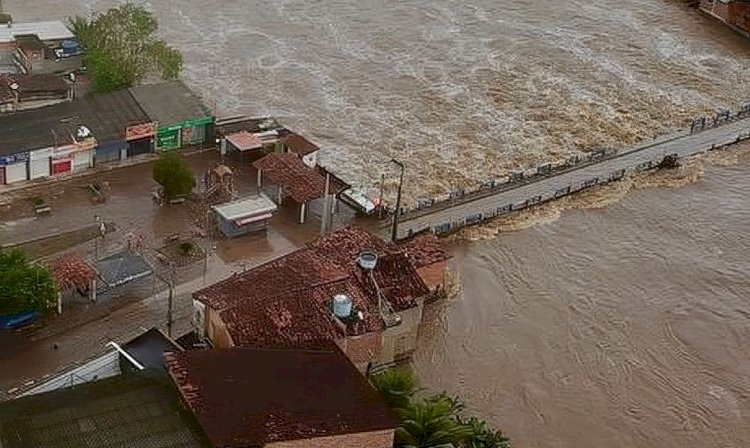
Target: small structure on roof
x,y
73,274
242,141
122,267
243,216
292,178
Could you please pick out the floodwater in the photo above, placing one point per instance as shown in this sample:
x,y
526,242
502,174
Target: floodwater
x,y
618,326
459,91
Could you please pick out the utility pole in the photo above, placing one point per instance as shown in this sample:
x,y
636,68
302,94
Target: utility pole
x,y
394,229
380,198
324,224
170,304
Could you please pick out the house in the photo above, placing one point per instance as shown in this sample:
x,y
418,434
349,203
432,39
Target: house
x,y
287,176
349,286
245,215
735,13
288,398
39,47
63,138
21,92
181,117
129,410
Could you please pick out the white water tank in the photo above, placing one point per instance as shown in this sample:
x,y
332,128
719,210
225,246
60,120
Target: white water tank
x,y
342,306
367,260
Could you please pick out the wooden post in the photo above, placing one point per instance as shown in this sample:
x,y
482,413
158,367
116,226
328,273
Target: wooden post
x,y
326,212
59,303
260,178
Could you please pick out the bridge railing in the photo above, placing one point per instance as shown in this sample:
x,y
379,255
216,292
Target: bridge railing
x,y
515,178
479,216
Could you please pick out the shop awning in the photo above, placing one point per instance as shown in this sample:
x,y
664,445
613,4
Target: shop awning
x,y
244,141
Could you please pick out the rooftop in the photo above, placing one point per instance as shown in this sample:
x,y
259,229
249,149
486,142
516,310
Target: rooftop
x,y
244,207
424,250
244,141
251,397
149,348
49,30
122,267
298,144
106,116
131,410
286,302
169,103
296,179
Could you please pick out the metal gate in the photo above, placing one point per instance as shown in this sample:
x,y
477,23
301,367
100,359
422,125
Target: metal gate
x,y
81,161
15,173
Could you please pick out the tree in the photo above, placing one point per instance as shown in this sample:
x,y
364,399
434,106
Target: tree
x,y
432,420
24,286
431,423
121,49
397,387
174,175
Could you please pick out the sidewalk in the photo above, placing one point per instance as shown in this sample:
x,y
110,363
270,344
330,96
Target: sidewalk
x,y
9,193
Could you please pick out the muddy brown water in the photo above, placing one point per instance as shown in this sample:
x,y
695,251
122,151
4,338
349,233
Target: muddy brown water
x,y
622,326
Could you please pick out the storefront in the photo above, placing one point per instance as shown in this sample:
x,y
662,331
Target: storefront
x,y
40,163
140,139
110,151
62,160
190,132
13,168
83,154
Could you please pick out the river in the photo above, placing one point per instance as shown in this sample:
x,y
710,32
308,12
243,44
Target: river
x,y
617,326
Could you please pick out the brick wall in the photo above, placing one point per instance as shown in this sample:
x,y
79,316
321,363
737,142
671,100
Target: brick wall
x,y
433,275
374,439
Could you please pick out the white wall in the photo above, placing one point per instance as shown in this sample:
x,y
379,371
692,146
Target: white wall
x,y
103,366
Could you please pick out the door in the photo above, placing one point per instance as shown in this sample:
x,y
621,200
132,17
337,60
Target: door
x,y
15,173
137,147
62,166
40,168
81,161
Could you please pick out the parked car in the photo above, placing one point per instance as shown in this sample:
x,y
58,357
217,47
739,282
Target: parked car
x,y
13,321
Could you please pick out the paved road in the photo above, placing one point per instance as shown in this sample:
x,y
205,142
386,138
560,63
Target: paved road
x,y
492,203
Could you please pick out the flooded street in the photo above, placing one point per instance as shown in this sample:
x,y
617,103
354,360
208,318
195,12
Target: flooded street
x,y
624,325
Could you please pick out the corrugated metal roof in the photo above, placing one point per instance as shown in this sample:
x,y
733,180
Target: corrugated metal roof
x,y
245,207
49,30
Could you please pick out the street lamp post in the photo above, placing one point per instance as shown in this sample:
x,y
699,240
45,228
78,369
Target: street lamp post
x,y
394,229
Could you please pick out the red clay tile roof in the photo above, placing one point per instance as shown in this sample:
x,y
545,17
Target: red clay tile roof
x,y
424,250
286,301
297,180
251,397
298,144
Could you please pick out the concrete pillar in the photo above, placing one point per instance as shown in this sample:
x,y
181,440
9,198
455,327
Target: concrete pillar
x,y
335,204
59,303
260,178
280,196
302,212
223,150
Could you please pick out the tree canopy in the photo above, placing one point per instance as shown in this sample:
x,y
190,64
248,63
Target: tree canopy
x,y
428,420
121,49
24,286
174,175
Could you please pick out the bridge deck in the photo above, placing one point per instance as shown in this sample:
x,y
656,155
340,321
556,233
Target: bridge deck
x,y
451,215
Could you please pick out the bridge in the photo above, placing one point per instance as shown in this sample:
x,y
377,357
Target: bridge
x,y
549,182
